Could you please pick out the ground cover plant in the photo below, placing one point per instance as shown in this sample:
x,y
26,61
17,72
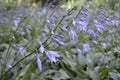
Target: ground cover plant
x,y
60,42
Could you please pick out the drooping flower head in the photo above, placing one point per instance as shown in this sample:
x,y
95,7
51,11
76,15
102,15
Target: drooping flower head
x,y
19,47
103,45
92,33
72,35
41,49
79,51
39,63
55,40
52,55
99,27
46,29
16,21
86,47
82,26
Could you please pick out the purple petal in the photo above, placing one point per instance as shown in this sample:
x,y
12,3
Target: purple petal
x,y
39,42
94,42
51,55
41,49
79,51
104,45
99,27
80,25
63,29
57,41
59,36
91,33
72,35
39,63
46,29
19,47
86,47
16,22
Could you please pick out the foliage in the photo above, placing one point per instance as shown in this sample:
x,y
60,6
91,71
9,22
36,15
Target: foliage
x,y
76,43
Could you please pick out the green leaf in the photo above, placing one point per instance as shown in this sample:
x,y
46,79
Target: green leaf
x,y
33,32
94,75
26,72
81,59
114,76
29,71
61,74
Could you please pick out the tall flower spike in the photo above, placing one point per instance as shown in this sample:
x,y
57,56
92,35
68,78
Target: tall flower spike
x,y
72,35
51,55
39,63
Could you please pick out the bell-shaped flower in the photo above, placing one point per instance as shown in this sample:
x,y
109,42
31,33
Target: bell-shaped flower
x,y
86,47
72,35
92,33
39,63
59,36
16,22
46,29
51,55
99,27
19,47
103,45
55,40
82,26
41,49
79,51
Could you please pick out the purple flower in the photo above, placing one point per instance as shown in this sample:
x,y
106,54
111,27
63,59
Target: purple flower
x,y
39,42
39,63
107,67
110,31
16,22
80,25
41,49
103,45
101,60
59,36
21,32
18,47
63,29
46,29
51,55
57,41
86,47
99,27
44,11
115,22
50,20
9,66
91,33
43,35
94,42
79,51
72,35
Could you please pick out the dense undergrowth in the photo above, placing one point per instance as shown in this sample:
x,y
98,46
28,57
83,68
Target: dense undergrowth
x,y
60,44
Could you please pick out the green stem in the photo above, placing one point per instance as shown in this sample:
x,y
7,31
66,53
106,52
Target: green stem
x,y
16,64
